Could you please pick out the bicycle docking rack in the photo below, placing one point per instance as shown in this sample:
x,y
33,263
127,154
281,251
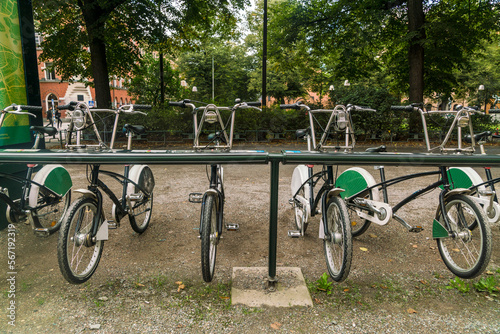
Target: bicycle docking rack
x,y
173,157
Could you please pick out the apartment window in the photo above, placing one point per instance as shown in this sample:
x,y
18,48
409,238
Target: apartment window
x,y
38,40
80,98
50,72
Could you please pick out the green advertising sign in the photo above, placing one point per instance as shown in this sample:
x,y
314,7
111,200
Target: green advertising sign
x,y
15,129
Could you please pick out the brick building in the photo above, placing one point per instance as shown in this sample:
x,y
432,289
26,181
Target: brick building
x,y
53,91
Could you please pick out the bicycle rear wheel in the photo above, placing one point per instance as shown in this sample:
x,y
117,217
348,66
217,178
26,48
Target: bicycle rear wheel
x,y
141,204
354,180
209,237
51,211
338,247
466,252
77,254
301,212
49,206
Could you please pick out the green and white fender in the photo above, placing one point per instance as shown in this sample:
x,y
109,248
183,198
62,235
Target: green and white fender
x,y
356,179
466,177
55,178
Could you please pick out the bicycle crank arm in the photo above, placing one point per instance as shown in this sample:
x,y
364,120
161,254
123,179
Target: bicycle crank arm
x,y
381,212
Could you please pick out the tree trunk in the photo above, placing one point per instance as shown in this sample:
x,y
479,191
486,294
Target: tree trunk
x,y
416,19
95,16
100,73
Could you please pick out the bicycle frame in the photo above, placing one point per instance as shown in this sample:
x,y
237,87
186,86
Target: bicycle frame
x,y
384,184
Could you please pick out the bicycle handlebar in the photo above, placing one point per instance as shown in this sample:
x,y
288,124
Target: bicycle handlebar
x,y
403,108
296,106
360,108
253,104
141,106
16,109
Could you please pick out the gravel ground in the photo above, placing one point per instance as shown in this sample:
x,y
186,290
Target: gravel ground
x,y
151,283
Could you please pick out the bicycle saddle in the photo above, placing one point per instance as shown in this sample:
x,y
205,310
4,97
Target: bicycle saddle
x,y
48,130
381,148
478,136
301,133
137,129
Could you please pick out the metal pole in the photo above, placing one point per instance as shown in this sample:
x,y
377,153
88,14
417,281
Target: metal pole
x,y
264,58
273,220
213,80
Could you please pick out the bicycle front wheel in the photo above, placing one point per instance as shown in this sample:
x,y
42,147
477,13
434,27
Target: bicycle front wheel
x,y
338,245
209,237
466,252
77,254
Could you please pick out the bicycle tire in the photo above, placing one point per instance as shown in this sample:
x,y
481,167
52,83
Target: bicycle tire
x,y
354,180
466,177
301,216
51,213
71,248
209,237
338,250
467,252
142,208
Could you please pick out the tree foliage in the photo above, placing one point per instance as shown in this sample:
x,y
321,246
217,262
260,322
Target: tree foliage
x,y
361,38
113,30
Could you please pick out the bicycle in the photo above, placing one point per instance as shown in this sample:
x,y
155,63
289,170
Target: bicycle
x,y
212,200
484,191
335,228
85,227
460,226
46,195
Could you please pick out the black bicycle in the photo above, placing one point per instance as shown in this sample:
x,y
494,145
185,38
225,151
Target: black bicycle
x,y
45,194
211,133
460,227
85,227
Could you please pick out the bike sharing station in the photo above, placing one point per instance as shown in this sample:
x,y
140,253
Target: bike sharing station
x,y
217,153
254,296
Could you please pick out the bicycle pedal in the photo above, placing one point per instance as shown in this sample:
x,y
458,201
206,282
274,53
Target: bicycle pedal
x,y
416,229
136,197
112,225
196,197
294,234
232,227
41,232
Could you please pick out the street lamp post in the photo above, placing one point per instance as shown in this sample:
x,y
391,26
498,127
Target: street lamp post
x,y
481,89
